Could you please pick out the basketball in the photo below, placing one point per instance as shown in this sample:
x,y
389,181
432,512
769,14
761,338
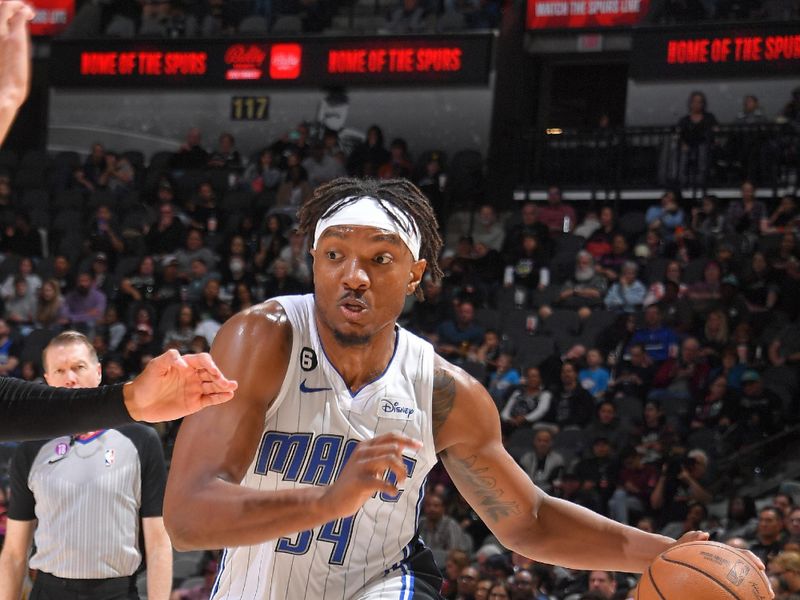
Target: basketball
x,y
703,571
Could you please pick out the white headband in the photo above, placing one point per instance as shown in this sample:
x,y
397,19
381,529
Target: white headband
x,y
370,212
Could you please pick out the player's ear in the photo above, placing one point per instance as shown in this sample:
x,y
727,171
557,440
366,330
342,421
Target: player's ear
x,y
415,275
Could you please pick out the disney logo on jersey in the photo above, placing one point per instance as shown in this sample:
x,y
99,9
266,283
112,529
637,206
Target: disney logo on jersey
x,y
392,409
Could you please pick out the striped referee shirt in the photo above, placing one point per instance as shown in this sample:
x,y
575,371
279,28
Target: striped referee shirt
x,y
89,497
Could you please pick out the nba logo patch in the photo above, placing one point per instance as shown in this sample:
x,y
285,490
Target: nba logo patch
x,y
738,572
109,457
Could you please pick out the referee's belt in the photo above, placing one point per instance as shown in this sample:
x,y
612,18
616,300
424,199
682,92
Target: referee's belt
x,y
93,585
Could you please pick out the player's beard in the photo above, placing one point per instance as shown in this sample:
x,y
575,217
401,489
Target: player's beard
x,y
351,339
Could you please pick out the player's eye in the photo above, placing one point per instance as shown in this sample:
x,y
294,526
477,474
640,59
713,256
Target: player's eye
x,y
383,259
333,255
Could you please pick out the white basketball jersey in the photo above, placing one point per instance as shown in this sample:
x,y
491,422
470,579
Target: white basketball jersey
x,y
309,432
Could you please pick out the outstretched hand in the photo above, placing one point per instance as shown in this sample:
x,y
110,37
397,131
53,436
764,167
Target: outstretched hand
x,y
173,386
14,59
364,474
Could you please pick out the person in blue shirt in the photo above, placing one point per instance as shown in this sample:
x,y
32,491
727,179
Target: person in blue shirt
x,y
665,217
659,342
504,379
627,294
594,378
458,335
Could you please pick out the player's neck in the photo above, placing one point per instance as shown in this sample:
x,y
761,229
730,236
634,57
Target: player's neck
x,y
361,364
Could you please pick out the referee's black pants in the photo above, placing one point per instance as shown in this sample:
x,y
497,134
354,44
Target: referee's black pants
x,y
50,587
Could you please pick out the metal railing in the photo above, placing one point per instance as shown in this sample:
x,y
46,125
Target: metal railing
x,y
610,160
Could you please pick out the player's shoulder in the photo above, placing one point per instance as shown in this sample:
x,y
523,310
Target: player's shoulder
x,y
264,323
447,375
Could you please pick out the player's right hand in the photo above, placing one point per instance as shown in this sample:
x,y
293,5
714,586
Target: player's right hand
x,y
365,473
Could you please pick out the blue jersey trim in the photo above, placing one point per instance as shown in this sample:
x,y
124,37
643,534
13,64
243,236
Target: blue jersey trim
x,y
217,581
378,378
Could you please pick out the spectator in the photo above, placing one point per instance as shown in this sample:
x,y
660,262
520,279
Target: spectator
x,y
528,264
202,591
432,183
626,295
530,225
746,215
168,233
603,583
784,501
759,409
666,217
504,378
191,154
322,167
297,257
528,403
715,408
793,524
500,590
708,220
656,291
696,137
406,18
634,375
20,238
758,288
85,304
293,192
742,519
599,242
610,264
180,335
281,281
21,307
194,249
226,156
456,561
9,350
594,378
369,155
114,329
786,567
426,317
587,287
236,265
487,353
50,308
94,173
681,379
704,294
769,537
25,270
140,287
467,583
487,229
659,342
557,216
271,242
543,464
599,471
457,335
607,425
572,405
682,480
524,585
783,218
696,514
716,334
263,175
203,211
635,483
399,163
168,284
440,531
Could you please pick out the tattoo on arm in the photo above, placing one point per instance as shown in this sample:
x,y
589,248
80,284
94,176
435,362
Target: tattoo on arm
x,y
444,394
490,498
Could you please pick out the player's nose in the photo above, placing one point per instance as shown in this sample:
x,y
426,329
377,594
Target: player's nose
x,y
355,275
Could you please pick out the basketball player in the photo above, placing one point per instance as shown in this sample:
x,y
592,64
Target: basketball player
x,y
313,474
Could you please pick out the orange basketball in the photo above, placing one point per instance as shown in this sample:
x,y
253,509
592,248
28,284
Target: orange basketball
x,y
703,571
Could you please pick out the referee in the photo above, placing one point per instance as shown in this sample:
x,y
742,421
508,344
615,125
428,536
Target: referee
x,y
169,388
85,499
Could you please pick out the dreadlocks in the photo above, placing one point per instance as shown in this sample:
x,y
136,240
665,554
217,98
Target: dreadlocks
x,y
399,193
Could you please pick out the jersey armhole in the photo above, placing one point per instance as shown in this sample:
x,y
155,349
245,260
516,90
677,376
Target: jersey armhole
x,y
291,315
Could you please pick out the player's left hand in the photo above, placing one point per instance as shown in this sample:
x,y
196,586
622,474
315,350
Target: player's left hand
x,y
173,386
691,536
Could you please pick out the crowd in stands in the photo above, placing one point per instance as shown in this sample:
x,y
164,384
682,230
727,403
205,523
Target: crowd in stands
x,y
629,355
209,18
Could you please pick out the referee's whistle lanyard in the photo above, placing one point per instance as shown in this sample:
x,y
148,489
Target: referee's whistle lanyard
x,y
63,448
